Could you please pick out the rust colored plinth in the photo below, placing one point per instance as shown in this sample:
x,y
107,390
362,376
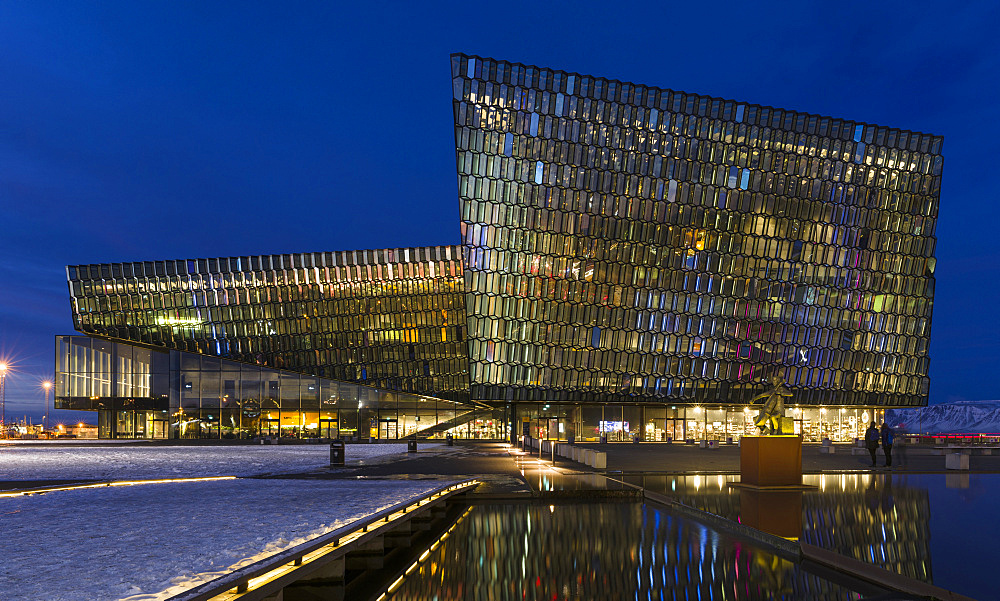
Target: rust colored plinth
x,y
771,460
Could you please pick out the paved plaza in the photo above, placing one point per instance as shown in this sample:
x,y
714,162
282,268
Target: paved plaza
x,y
685,458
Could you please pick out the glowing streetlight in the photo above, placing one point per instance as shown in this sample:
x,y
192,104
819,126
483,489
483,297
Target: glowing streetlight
x,y
3,398
47,386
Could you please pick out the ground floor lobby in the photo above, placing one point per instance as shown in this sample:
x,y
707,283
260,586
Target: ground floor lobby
x,y
430,419
666,423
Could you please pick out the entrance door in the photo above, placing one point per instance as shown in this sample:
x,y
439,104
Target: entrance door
x,y
159,427
675,428
387,429
270,427
329,428
553,429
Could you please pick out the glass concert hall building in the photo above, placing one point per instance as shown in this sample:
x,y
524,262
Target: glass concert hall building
x,y
632,261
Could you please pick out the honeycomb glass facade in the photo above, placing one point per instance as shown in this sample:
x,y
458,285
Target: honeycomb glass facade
x,y
626,243
634,262
392,318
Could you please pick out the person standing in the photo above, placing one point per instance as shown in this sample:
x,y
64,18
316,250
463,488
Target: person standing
x,y
871,440
887,439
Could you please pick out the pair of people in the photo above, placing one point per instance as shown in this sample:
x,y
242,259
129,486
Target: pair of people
x,y
872,438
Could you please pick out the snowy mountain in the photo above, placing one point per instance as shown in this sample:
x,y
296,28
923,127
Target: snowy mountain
x,y
958,417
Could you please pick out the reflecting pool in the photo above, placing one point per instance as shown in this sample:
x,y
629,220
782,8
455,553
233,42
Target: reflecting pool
x,y
602,551
937,528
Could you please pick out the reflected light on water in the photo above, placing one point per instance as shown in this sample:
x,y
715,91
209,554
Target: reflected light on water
x,y
602,551
863,516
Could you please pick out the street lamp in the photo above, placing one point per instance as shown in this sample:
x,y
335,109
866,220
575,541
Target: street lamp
x,y
3,399
47,386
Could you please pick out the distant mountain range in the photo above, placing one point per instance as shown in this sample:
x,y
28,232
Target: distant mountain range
x,y
960,417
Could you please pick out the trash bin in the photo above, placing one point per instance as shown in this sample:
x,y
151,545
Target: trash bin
x,y
570,438
451,440
337,452
635,439
604,438
411,445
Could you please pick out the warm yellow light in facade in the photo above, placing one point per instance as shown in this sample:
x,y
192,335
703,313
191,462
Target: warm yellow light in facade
x,y
178,321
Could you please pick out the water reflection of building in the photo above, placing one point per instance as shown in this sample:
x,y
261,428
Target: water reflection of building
x,y
633,261
871,518
600,551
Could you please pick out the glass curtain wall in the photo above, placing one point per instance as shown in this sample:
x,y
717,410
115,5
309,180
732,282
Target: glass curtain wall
x,y
625,241
386,318
672,423
146,393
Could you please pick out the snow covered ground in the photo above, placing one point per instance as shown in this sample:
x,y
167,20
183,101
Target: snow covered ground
x,y
113,462
152,541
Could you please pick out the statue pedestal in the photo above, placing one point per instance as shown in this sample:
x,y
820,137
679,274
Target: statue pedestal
x,y
771,461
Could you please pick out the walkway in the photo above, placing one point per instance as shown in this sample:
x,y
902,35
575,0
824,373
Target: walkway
x,y
682,458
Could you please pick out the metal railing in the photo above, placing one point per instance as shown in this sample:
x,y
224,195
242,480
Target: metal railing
x,y
277,571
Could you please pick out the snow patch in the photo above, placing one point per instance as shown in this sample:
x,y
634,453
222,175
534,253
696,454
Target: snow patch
x,y
150,542
24,462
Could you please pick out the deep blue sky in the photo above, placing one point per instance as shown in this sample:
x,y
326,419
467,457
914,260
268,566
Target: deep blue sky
x,y
153,130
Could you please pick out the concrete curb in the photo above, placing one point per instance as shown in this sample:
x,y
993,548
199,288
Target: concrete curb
x,y
876,575
775,544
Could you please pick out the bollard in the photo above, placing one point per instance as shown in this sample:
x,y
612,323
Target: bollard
x,y
451,440
411,445
337,452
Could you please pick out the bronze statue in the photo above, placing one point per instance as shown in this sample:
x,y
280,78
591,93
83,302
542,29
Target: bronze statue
x,y
771,418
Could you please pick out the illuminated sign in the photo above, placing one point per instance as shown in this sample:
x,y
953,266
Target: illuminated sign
x,y
613,426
